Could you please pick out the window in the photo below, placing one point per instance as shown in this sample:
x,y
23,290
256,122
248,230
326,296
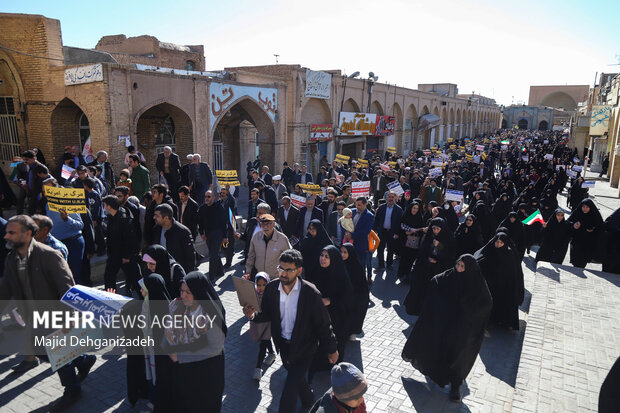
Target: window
x,y
190,65
165,136
9,138
84,130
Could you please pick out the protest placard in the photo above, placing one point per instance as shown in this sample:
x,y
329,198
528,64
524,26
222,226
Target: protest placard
x,y
572,174
72,200
395,187
435,172
480,148
588,184
391,149
298,200
362,162
549,156
477,159
360,188
385,167
66,171
101,303
342,158
525,158
62,352
504,147
577,168
228,177
313,189
454,195
437,162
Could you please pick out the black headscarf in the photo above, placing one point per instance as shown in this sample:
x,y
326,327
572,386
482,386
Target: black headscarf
x,y
413,221
203,291
165,265
517,232
591,220
468,239
449,215
311,247
355,270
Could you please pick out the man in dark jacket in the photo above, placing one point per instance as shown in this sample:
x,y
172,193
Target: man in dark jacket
x,y
200,178
387,225
175,237
299,323
121,246
122,193
289,177
287,216
329,204
268,194
334,230
266,176
160,196
168,166
307,214
230,204
255,200
213,226
107,171
304,177
188,211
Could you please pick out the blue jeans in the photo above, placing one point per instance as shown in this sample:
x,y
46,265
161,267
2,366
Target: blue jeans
x,y
75,247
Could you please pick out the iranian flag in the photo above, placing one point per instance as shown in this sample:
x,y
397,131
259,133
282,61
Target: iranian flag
x,y
535,217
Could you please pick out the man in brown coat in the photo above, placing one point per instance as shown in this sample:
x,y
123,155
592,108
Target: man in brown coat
x,y
34,272
265,249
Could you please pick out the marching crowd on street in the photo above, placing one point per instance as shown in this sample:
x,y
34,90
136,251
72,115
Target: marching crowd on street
x,y
453,222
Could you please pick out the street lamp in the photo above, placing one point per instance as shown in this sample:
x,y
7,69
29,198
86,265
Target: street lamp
x,y
372,78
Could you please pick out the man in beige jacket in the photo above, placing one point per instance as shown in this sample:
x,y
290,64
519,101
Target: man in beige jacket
x,y
265,249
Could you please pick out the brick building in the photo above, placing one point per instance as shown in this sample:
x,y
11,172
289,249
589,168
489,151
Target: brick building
x,y
139,91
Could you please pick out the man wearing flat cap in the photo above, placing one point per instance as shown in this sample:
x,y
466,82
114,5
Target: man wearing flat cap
x,y
265,249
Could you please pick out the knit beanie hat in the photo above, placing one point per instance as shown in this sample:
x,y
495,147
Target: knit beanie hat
x,y
348,383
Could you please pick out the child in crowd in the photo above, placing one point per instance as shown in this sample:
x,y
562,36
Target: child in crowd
x,y
261,332
347,224
125,181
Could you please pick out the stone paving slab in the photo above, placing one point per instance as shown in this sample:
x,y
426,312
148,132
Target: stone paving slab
x,y
572,340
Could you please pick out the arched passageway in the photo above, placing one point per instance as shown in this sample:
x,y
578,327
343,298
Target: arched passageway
x,y
164,125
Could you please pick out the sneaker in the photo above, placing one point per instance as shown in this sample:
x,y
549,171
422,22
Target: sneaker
x,y
84,369
270,359
25,365
258,373
67,400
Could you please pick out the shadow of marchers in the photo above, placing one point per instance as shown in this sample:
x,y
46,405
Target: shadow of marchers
x,y
552,273
579,272
500,352
430,398
9,395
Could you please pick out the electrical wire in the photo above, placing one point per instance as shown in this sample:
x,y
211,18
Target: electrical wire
x,y
31,55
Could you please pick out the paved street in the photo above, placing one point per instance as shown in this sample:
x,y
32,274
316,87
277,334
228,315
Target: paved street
x,y
570,343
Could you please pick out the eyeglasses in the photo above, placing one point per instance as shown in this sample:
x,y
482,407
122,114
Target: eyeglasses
x,y
286,270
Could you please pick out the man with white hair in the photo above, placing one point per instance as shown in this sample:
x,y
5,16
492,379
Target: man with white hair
x,y
168,166
106,169
184,171
200,179
266,176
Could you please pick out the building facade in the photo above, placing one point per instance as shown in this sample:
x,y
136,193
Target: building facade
x,y
527,117
150,94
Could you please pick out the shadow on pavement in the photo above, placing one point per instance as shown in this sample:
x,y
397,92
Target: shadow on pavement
x,y
430,398
500,343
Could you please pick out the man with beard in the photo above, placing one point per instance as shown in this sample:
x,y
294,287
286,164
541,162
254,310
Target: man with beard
x,y
160,196
213,226
35,272
282,306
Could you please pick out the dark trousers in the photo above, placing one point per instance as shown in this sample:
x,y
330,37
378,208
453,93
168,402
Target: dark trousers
x,y
85,272
67,374
386,239
131,270
296,384
214,243
99,238
230,250
75,247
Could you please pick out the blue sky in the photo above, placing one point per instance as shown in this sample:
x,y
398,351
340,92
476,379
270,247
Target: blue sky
x,y
495,48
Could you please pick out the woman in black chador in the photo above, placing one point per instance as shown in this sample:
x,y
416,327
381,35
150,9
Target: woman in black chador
x,y
436,254
361,295
517,232
331,278
587,222
468,238
555,238
409,236
499,267
312,244
447,337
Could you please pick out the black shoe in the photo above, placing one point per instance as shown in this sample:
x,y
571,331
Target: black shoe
x,y
67,400
227,266
84,369
455,394
24,366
